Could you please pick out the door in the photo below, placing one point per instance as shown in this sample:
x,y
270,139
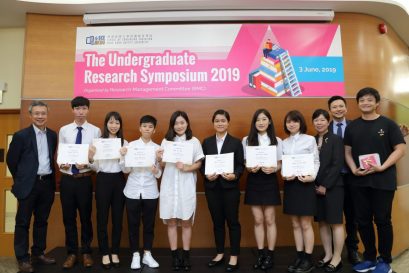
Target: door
x,y
10,123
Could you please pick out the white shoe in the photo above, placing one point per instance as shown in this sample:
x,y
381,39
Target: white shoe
x,y
149,260
136,261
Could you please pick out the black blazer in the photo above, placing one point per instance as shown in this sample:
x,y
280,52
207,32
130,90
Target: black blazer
x,y
230,145
22,160
331,161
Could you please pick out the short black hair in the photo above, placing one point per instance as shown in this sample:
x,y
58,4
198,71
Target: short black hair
x,y
171,134
296,116
319,112
368,91
148,119
221,112
334,98
79,101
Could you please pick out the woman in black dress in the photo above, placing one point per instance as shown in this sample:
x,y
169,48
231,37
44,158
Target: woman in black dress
x,y
330,192
262,191
222,190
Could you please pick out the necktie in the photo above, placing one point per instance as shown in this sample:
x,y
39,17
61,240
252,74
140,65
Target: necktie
x,y
78,140
339,129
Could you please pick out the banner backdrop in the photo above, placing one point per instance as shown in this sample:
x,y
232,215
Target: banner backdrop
x,y
183,61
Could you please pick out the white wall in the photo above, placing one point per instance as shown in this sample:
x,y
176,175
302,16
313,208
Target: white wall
x,y
11,65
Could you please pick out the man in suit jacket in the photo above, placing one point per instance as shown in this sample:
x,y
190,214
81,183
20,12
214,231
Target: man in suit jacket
x,y
30,160
338,108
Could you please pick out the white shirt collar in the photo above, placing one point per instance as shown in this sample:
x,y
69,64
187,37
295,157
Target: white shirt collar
x,y
180,138
37,130
221,139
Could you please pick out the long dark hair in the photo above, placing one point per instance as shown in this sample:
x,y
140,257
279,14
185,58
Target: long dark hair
x,y
252,139
170,134
116,116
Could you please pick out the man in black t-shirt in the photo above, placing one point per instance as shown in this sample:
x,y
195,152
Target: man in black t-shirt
x,y
373,145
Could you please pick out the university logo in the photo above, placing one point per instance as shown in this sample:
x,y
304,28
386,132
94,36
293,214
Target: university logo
x,y
95,40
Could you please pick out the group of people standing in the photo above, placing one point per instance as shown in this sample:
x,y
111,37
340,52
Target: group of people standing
x,y
337,185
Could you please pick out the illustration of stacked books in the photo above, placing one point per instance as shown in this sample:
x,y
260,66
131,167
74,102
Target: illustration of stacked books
x,y
276,74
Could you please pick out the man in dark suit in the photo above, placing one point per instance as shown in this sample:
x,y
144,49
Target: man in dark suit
x,y
338,107
30,160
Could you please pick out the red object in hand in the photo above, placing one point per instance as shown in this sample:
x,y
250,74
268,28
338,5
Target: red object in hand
x,y
383,28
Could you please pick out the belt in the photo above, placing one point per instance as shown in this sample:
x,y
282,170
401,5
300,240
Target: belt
x,y
78,175
43,177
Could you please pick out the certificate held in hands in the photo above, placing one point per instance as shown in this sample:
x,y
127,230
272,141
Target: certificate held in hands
x,y
72,154
263,156
107,148
297,165
140,156
373,159
218,164
178,152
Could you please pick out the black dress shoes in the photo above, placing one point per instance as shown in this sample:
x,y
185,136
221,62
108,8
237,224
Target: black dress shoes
x,y
25,267
305,266
322,264
214,263
259,262
267,263
42,259
232,268
292,267
332,268
354,257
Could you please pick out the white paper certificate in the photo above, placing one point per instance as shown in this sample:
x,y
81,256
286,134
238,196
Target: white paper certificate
x,y
140,156
296,165
178,152
222,163
263,156
72,154
107,148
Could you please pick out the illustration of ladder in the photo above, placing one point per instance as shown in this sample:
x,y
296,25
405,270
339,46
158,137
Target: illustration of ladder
x,y
290,79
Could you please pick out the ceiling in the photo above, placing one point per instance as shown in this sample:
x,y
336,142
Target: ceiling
x,y
12,12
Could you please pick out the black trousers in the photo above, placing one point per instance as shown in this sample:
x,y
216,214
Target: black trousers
x,y
137,209
374,205
351,226
39,203
109,194
76,194
224,207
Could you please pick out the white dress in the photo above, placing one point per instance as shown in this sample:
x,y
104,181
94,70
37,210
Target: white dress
x,y
177,197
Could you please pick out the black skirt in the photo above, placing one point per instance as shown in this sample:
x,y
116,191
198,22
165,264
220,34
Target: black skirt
x,y
299,198
330,206
262,189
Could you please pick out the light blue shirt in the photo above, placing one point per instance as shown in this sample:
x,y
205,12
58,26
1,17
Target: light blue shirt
x,y
43,154
335,127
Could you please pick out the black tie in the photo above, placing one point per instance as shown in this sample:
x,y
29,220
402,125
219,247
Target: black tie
x,y
78,140
339,129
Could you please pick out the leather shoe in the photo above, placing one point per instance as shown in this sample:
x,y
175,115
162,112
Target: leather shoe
x,y
87,260
231,267
42,259
331,268
70,261
214,263
322,264
354,257
25,266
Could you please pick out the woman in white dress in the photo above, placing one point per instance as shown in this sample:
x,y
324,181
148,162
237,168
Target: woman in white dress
x,y
177,203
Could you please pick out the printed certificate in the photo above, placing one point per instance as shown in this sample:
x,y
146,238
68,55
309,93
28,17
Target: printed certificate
x,y
297,165
374,159
221,163
263,156
72,154
178,152
140,156
107,148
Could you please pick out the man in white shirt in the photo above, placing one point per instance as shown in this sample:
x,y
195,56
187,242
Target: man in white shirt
x,y
76,186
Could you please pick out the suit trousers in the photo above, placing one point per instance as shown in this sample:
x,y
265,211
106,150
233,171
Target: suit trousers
x,y
138,209
109,194
224,207
374,205
76,194
351,227
39,203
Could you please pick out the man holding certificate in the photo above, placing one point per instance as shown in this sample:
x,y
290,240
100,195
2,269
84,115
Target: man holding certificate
x,y
222,187
299,168
373,136
76,184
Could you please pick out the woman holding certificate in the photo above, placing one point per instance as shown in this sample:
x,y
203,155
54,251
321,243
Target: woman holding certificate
x,y
222,187
181,155
104,155
330,192
300,164
263,159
